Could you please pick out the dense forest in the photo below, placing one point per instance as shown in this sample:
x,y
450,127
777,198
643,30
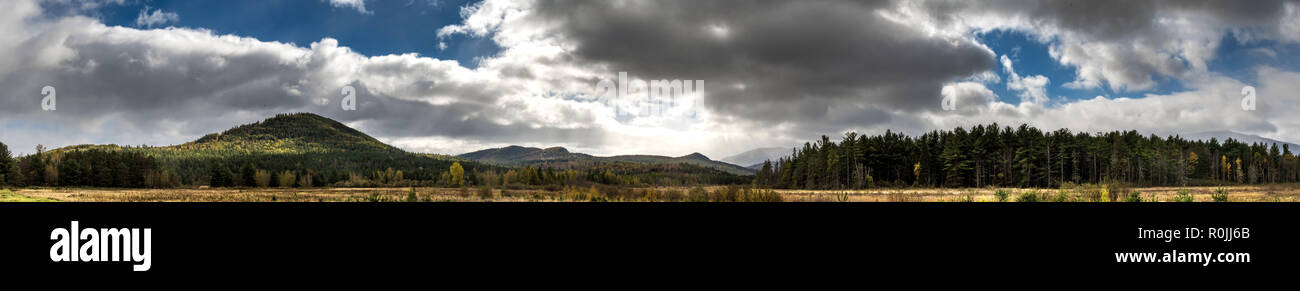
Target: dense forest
x,y
989,155
307,150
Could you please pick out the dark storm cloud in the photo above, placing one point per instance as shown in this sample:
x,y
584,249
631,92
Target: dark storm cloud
x,y
390,116
408,77
122,77
98,70
1113,19
791,56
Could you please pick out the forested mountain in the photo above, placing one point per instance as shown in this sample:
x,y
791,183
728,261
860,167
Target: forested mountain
x,y
291,133
561,158
300,149
989,155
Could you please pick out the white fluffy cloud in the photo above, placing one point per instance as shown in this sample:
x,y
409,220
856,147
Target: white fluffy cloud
x,y
1122,45
359,5
149,18
1125,47
1033,89
1214,104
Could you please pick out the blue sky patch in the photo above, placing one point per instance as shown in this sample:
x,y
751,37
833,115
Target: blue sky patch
x,y
1238,60
1031,57
392,27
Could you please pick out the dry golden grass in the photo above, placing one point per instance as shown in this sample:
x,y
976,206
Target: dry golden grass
x,y
1258,193
277,195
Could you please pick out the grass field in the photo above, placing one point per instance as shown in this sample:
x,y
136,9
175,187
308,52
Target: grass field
x,y
1257,193
10,196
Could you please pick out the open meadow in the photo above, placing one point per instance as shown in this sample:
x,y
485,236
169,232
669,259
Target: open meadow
x,y
1253,193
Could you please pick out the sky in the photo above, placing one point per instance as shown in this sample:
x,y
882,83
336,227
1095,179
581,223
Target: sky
x,y
444,76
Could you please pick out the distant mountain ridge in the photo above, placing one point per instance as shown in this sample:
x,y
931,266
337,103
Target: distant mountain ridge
x,y
521,156
1241,137
756,157
513,154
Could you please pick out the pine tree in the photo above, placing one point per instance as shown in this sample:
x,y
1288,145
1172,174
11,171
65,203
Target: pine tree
x,y
955,162
1025,157
764,176
832,179
220,176
7,166
249,175
70,173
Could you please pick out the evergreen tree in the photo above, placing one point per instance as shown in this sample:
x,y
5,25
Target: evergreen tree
x,y
955,161
764,176
1026,157
70,173
220,176
248,175
7,166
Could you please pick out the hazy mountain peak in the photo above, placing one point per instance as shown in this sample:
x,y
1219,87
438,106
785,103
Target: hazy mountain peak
x,y
556,150
696,156
757,156
1223,135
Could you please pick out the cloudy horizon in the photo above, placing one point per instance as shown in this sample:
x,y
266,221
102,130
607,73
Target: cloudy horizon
x,y
453,77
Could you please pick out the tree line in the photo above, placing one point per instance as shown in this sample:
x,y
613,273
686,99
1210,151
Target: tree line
x,y
989,155
145,167
94,168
